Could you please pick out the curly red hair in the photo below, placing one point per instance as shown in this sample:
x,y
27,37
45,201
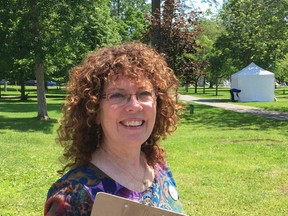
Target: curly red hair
x,y
79,133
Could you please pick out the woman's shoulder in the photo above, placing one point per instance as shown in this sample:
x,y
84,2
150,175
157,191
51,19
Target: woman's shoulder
x,y
73,190
88,175
165,194
163,173
84,175
163,168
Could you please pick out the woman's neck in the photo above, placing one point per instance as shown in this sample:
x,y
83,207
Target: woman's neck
x,y
130,169
124,158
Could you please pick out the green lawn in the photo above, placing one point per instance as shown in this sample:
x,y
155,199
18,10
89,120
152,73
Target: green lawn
x,y
229,163
224,163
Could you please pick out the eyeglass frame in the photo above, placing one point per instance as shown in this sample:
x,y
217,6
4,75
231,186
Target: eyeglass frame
x,y
128,96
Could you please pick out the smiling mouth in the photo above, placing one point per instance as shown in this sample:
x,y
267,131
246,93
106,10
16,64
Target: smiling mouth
x,y
132,123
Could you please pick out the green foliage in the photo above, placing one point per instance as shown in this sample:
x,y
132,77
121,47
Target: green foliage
x,y
281,69
118,7
132,24
48,37
212,29
256,32
15,30
130,18
75,30
67,31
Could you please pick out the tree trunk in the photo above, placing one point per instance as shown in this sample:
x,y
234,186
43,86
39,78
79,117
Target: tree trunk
x,y
23,95
118,8
41,97
211,83
39,65
5,85
186,87
204,85
217,85
155,37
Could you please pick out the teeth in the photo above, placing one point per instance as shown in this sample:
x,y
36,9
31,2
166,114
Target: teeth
x,y
132,123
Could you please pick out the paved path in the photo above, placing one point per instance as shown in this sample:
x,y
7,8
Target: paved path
x,y
282,116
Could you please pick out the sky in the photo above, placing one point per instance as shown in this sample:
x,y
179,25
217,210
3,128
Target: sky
x,y
202,6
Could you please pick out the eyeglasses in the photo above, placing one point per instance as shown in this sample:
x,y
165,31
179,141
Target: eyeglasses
x,y
121,98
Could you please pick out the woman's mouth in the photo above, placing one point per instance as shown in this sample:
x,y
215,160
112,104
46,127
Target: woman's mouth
x,y
132,123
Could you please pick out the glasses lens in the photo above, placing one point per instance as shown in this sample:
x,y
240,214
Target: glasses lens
x,y
123,98
117,98
146,96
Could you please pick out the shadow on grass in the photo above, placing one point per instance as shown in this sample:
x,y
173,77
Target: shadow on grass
x,y
213,117
16,105
21,116
27,124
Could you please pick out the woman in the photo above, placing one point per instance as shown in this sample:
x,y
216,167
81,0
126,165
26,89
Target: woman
x,y
119,106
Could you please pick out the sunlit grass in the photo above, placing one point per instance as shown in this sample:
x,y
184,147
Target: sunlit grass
x,y
228,163
28,155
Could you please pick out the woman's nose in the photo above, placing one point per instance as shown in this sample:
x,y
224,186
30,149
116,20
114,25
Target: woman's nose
x,y
133,103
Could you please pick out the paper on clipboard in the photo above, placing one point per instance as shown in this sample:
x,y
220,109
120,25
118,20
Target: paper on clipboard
x,y
111,205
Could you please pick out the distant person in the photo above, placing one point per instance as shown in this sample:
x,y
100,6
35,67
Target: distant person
x,y
119,106
236,91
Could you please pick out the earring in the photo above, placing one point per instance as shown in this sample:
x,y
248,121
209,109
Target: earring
x,y
98,136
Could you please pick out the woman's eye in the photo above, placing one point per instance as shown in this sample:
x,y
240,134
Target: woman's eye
x,y
145,94
116,96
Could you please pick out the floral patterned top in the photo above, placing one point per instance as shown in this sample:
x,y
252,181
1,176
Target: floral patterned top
x,y
75,192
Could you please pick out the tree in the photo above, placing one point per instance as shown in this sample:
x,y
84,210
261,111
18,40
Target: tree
x,y
76,29
16,56
218,67
155,31
52,36
256,31
130,17
118,7
176,32
156,13
281,69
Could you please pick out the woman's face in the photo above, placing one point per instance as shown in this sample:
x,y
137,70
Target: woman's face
x,y
127,112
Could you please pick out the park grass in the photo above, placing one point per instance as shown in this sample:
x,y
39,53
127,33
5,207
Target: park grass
x,y
28,154
224,163
227,163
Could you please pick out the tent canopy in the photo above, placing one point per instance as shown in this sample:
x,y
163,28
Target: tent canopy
x,y
255,83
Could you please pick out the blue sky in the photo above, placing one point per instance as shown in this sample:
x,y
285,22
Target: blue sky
x,y
205,6
202,6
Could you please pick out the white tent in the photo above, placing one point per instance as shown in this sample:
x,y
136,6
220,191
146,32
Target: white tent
x,y
255,83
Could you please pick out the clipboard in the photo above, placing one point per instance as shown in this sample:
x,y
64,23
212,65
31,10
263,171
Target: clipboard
x,y
110,205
